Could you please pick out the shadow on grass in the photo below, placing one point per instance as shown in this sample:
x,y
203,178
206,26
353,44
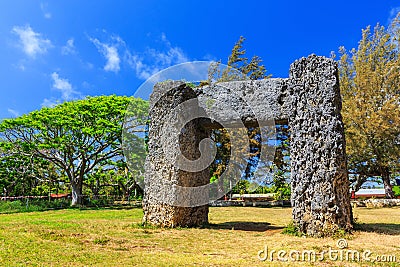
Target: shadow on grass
x,y
380,228
244,226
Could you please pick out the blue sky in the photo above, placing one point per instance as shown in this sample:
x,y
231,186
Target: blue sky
x,y
53,51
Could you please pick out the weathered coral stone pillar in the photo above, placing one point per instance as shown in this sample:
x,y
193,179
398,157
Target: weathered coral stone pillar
x,y
164,203
320,185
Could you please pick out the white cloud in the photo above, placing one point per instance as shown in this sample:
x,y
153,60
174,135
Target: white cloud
x,y
46,13
164,38
86,85
13,112
66,89
20,66
31,42
69,47
110,53
174,55
112,59
146,63
152,61
394,11
209,57
64,86
49,102
142,70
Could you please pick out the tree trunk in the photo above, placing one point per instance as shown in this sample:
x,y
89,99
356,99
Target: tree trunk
x,y
76,192
360,180
386,183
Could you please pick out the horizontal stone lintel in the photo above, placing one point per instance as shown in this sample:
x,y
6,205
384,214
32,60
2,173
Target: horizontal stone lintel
x,y
249,103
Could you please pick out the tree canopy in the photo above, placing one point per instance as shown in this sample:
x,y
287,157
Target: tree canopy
x,y
370,87
77,137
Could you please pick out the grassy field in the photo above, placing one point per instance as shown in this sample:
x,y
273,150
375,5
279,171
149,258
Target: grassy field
x,y
234,238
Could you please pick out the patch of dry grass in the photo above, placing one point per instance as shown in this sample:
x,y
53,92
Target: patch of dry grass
x,y
234,237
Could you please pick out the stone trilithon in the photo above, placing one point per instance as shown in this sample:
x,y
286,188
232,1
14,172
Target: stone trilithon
x,y
308,101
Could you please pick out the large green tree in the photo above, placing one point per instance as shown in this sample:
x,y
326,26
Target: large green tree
x,y
370,87
78,136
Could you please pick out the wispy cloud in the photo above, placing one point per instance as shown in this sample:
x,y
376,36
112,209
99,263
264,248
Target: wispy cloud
x,y
394,11
152,60
143,71
13,112
145,63
50,102
69,47
44,8
110,53
20,66
210,57
31,42
65,87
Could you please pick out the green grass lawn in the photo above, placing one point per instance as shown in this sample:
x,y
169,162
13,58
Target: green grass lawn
x,y
115,238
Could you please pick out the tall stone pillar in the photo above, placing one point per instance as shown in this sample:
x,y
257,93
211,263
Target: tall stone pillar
x,y
320,185
168,198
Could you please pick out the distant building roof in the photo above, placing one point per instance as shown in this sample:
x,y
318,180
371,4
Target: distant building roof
x,y
371,192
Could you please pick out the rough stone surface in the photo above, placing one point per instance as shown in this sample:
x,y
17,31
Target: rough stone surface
x,y
320,186
255,101
309,101
162,177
